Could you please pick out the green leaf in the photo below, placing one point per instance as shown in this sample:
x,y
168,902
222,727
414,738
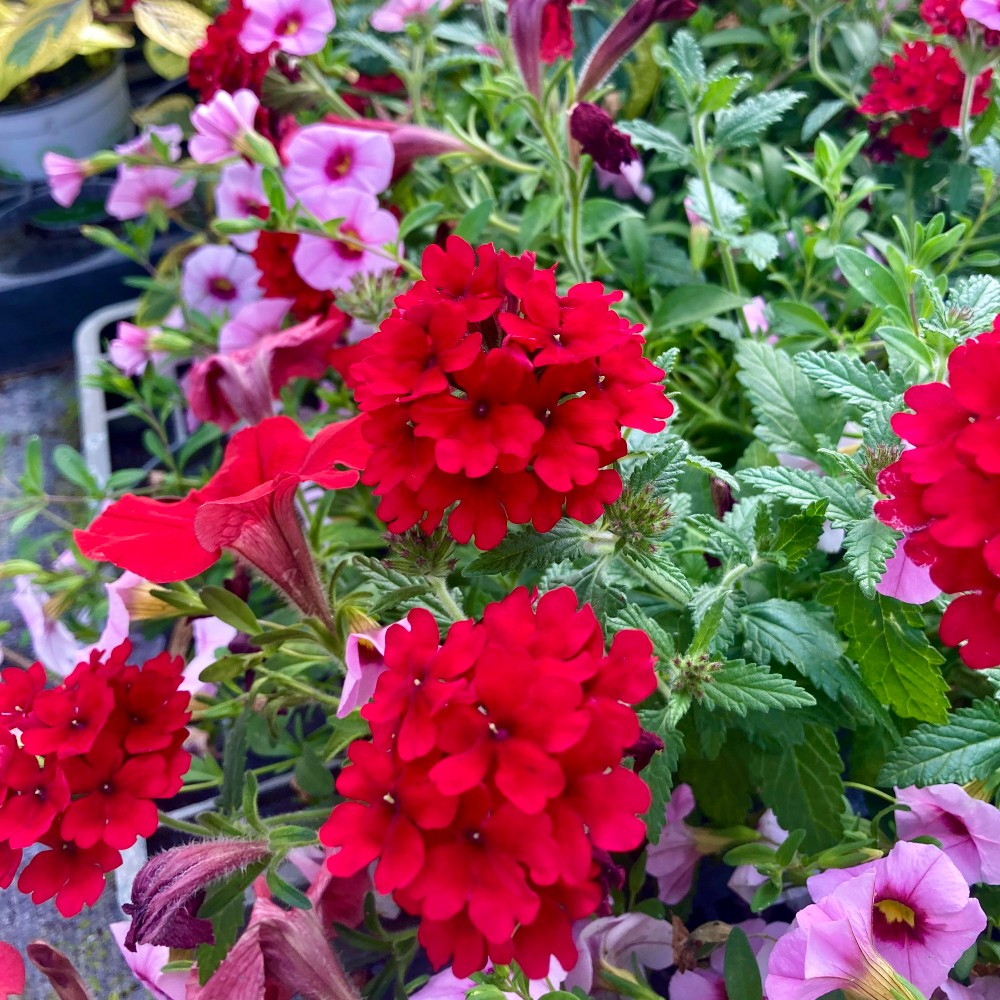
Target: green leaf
x,y
527,547
802,488
797,535
470,227
721,91
285,893
658,774
647,136
688,305
873,280
740,687
662,469
601,215
312,775
660,575
802,785
745,124
798,317
687,61
421,216
538,216
740,968
853,380
819,116
966,748
760,248
72,465
867,545
778,631
897,662
228,608
234,758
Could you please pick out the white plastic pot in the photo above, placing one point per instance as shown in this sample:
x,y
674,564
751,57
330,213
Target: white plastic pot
x,y
78,122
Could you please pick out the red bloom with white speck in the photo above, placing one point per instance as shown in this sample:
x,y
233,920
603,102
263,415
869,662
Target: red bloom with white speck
x,y
493,776
491,395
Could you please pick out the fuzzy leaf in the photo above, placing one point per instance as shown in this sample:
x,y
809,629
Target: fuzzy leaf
x,y
853,380
778,631
632,616
746,123
802,488
527,547
867,545
760,248
740,687
648,136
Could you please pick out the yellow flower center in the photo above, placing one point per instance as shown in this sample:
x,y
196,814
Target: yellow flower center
x,y
896,912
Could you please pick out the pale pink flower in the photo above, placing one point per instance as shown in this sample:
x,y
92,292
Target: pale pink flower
x,y
240,195
298,27
54,645
330,263
170,135
130,350
674,857
363,658
921,916
986,988
622,942
625,183
393,15
65,176
219,279
906,580
986,12
325,160
252,323
746,879
489,51
210,635
137,190
968,829
755,313
694,219
146,964
222,125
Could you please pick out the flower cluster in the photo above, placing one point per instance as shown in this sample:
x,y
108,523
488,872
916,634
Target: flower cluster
x,y
919,95
943,493
81,766
494,774
221,62
487,388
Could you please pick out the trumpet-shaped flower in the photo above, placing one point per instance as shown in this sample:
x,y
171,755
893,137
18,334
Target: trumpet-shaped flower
x,y
140,190
240,195
219,280
222,126
298,27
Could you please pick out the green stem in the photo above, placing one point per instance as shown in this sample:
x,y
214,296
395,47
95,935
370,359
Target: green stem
x,y
965,113
871,791
816,64
316,76
956,258
181,826
440,588
296,685
319,812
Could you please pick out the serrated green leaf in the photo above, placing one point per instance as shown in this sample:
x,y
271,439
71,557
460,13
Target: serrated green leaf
x,y
659,573
867,545
778,631
662,469
648,136
802,488
760,248
740,687
686,61
746,123
853,380
797,535
527,547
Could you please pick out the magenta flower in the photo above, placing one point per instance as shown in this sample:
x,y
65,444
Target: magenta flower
x,y
240,195
986,12
906,580
142,145
921,916
324,160
363,658
622,942
831,947
298,27
138,190
329,264
146,964
130,350
392,16
223,126
674,857
218,279
746,879
968,829
252,323
65,176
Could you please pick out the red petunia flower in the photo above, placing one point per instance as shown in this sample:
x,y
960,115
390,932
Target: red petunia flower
x,y
493,776
944,493
247,506
489,393
73,874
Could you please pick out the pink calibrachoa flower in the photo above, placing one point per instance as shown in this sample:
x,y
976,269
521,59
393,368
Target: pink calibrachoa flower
x,y
755,313
240,195
252,323
986,988
746,880
210,634
392,16
146,964
138,190
906,580
968,829
986,12
625,183
363,659
130,351
920,914
223,126
53,643
219,279
674,857
621,942
330,263
65,176
298,27
142,145
325,160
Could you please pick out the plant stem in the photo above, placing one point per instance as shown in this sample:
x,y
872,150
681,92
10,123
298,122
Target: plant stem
x,y
300,686
181,826
871,791
440,588
816,64
956,258
965,113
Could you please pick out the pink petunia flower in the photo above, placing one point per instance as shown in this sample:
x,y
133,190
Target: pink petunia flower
x,y
210,634
146,964
219,279
298,27
392,16
906,580
746,879
130,350
674,857
65,176
363,658
252,323
986,12
921,916
137,190
330,264
324,160
240,195
755,313
623,942
625,183
223,126
142,145
53,643
986,988
968,829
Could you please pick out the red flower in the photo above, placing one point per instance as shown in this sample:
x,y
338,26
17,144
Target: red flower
x,y
18,689
10,861
593,128
557,31
944,17
66,722
488,390
944,492
920,95
221,63
280,280
247,506
73,874
36,793
493,775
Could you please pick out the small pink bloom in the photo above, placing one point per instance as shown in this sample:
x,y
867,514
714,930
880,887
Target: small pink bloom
x,y
330,264
674,857
138,189
393,15
218,279
65,176
240,195
170,135
298,27
986,12
968,829
625,183
252,323
324,160
210,635
53,643
222,125
486,50
623,942
363,659
146,964
986,988
755,313
694,219
130,352
746,880
906,580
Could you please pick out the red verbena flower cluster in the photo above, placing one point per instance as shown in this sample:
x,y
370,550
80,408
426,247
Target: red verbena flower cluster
x,y
221,63
493,776
487,388
920,95
944,17
81,778
280,280
944,492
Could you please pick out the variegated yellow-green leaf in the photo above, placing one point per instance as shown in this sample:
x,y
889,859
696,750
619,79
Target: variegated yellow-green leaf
x,y
101,37
174,24
174,109
167,64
